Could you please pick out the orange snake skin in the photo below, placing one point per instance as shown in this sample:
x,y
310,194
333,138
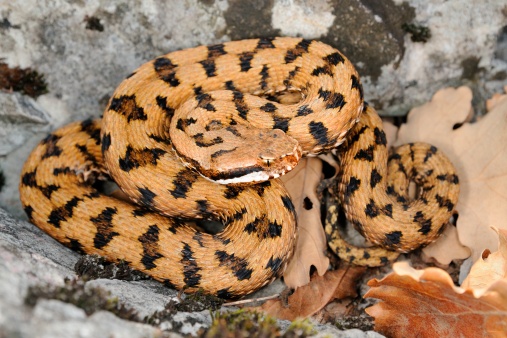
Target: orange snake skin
x,y
196,135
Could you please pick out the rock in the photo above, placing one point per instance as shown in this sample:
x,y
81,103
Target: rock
x,y
145,297
19,116
188,323
53,318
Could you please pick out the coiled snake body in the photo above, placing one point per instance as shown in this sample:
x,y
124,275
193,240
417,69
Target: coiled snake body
x,y
180,125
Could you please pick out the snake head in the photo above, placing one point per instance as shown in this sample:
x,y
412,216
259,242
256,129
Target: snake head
x,y
267,154
239,153
278,153
209,134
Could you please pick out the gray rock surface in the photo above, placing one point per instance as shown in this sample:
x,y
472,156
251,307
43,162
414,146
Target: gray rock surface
x,y
52,318
144,296
85,48
19,114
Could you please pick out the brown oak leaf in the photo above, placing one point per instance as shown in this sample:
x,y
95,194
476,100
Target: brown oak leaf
x,y
489,268
310,248
311,298
426,303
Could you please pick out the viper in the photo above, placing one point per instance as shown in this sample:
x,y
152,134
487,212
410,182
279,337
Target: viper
x,y
198,134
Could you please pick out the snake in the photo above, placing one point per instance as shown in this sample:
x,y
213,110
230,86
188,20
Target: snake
x,y
198,134
373,189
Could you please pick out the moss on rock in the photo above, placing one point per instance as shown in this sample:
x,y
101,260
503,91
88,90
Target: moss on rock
x,y
90,299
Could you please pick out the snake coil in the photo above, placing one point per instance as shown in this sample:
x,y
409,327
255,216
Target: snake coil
x,y
184,134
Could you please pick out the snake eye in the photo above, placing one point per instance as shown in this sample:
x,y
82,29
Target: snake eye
x,y
267,161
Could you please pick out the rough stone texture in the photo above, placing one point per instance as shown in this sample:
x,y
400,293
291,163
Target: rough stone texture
x,y
381,22
23,122
145,297
85,48
19,113
52,318
461,50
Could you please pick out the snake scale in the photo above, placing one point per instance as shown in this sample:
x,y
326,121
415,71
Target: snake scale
x,y
195,134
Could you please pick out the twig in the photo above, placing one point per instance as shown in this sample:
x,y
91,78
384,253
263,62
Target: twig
x,y
244,301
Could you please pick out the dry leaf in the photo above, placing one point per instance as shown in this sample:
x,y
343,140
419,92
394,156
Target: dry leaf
x,y
427,304
311,298
489,268
479,154
446,248
334,310
310,248
391,132
491,103
433,122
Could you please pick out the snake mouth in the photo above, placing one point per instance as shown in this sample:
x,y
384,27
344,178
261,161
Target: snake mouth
x,y
261,170
266,169
244,175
